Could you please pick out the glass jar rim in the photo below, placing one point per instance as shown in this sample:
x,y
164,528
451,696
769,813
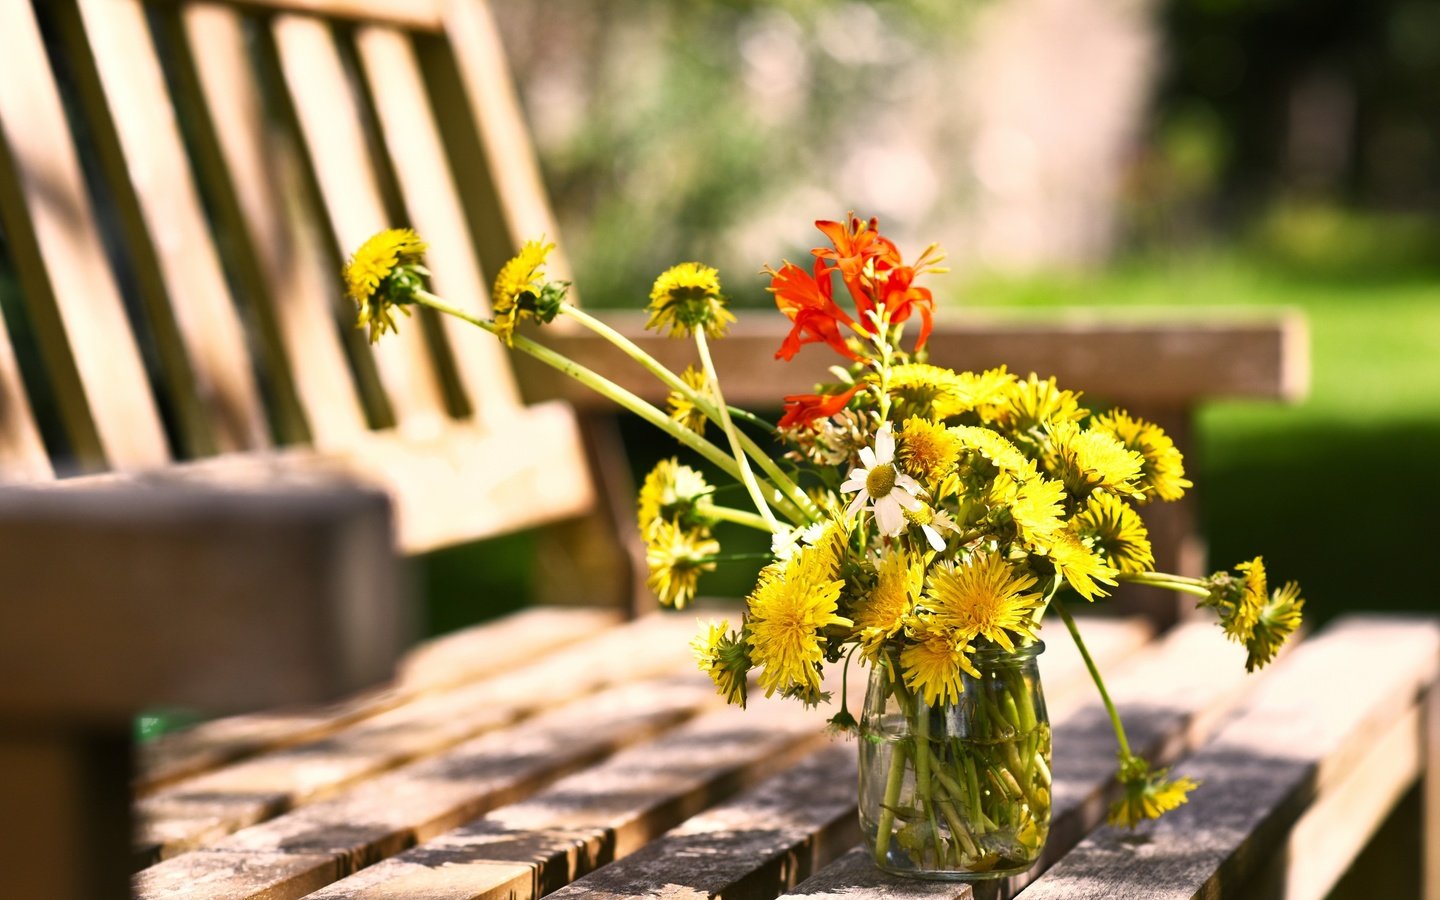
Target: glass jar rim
x,y
996,654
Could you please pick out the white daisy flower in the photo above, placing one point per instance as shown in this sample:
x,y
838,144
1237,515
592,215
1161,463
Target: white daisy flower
x,y
785,544
889,491
931,520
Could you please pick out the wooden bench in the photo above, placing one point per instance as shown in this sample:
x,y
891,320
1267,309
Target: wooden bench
x,y
605,767
559,746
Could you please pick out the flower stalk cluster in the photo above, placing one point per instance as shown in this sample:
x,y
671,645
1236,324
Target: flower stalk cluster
x,y
920,517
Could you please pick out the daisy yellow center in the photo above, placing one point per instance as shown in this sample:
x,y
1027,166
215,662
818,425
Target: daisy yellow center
x,y
881,481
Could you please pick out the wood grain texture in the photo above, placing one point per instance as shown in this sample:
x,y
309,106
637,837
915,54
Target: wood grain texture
x,y
388,814
197,332
93,363
251,169
1170,695
605,812
1307,725
612,810
193,597
200,810
338,150
1162,361
444,662
429,196
1328,837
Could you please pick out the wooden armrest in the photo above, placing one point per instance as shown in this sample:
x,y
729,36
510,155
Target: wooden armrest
x,y
1164,358
155,592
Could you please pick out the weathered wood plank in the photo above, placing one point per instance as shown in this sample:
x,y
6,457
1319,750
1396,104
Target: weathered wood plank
x,y
252,170
1327,838
467,655
608,812
1170,695
455,484
197,332
334,137
176,587
92,360
388,814
1165,362
1308,724
198,811
428,191
756,845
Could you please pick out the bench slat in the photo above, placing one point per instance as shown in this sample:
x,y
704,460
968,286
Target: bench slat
x,y
612,810
90,356
252,170
428,192
202,809
420,14
468,655
1308,725
334,137
22,452
196,329
395,811
1230,356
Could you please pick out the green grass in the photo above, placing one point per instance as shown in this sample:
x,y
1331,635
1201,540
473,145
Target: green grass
x,y
1338,490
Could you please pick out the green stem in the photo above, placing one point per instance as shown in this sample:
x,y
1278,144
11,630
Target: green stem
x,y
674,382
734,516
733,436
894,780
1170,582
1095,676
597,383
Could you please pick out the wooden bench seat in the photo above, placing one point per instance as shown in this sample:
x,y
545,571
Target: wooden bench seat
x,y
651,788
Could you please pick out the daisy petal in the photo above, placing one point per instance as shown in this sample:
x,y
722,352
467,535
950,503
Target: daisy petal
x,y
884,444
867,456
933,537
855,504
888,516
907,501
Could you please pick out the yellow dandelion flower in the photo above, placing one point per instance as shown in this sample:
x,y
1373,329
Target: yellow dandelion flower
x,y
683,409
1033,405
1092,460
1114,528
900,578
984,597
1147,795
686,297
1254,594
725,657
382,276
1080,566
671,491
927,450
927,391
520,280
998,450
1278,619
787,615
1163,472
986,393
934,663
675,558
1038,510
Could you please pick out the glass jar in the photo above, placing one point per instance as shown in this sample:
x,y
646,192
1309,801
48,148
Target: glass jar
x,y
959,791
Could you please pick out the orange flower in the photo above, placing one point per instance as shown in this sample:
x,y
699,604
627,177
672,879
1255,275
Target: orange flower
x,y
803,408
808,303
900,296
857,244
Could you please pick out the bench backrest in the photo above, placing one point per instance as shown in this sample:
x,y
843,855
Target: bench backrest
x,y
192,173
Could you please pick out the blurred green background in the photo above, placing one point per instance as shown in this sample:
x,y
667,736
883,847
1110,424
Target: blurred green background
x,y
1186,154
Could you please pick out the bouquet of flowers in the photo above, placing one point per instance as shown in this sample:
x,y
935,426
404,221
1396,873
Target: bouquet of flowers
x,y
923,519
